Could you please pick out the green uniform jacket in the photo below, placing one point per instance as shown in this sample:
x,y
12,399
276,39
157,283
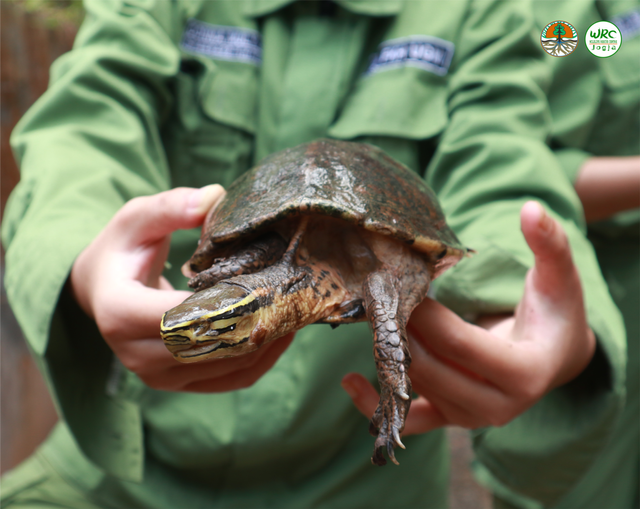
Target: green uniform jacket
x,y
595,104
160,94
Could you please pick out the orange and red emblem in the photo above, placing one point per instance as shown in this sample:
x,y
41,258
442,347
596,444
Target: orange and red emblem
x,y
559,38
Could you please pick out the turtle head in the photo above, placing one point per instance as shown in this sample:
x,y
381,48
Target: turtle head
x,y
213,323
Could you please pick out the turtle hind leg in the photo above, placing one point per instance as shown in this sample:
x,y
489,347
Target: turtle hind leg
x,y
386,315
262,252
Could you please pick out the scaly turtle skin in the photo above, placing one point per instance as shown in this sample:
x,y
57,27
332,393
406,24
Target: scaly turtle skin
x,y
327,232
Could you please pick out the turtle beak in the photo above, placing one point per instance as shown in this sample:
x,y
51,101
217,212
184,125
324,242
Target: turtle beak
x,y
210,323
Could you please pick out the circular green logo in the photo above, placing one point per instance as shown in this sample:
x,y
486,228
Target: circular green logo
x,y
603,39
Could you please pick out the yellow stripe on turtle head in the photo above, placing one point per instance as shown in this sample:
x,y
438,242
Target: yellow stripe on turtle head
x,y
241,303
207,316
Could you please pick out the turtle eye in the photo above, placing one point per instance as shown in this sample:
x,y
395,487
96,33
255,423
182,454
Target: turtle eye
x,y
441,254
221,326
244,307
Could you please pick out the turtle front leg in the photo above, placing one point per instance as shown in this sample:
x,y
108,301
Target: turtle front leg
x,y
386,315
262,252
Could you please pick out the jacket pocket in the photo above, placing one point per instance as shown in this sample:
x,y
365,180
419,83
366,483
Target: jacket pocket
x,y
402,111
406,102
228,94
210,138
622,71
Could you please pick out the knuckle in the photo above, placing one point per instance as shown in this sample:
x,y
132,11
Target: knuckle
x,y
527,380
133,364
110,329
528,391
161,204
154,381
130,209
471,422
533,388
164,202
503,415
459,418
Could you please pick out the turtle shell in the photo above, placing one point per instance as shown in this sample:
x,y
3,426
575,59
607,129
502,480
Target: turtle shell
x,y
356,182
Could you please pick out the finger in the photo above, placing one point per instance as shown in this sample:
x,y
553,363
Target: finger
x,y
548,241
439,330
151,361
155,365
146,357
456,415
439,382
185,374
153,274
145,263
241,379
135,310
147,219
552,311
362,393
423,416
164,284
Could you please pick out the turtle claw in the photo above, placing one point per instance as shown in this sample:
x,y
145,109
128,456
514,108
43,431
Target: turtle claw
x,y
396,437
391,453
402,394
378,458
387,424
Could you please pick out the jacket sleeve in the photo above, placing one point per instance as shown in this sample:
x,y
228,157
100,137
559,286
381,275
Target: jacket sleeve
x,y
89,144
491,159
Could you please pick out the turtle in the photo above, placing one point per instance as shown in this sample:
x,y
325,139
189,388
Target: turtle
x,y
327,232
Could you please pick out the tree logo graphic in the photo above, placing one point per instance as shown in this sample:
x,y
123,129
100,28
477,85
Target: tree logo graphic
x,y
559,38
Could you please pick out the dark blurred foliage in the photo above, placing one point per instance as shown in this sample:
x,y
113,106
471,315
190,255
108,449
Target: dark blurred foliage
x,y
54,12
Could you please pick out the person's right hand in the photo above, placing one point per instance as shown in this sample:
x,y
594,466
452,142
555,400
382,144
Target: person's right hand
x,y
487,374
117,280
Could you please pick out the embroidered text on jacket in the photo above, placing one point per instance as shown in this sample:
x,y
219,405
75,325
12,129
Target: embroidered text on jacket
x,y
429,53
222,42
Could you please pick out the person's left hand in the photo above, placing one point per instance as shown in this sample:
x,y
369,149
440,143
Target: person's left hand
x,y
487,374
117,280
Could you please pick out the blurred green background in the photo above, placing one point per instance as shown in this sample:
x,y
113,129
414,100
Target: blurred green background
x,y
33,33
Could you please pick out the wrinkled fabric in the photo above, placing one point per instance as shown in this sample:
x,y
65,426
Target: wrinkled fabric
x,y
595,104
133,110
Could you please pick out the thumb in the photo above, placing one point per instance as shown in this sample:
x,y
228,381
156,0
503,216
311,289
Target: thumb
x,y
148,219
554,266
552,308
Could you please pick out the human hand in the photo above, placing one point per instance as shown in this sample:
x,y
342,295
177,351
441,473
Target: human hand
x,y
117,280
608,185
487,374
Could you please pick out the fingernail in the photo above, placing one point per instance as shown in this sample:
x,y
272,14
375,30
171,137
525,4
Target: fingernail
x,y
203,199
350,389
545,223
